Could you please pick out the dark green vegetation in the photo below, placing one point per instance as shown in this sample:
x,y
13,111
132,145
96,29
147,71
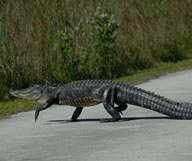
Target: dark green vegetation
x,y
147,74
48,41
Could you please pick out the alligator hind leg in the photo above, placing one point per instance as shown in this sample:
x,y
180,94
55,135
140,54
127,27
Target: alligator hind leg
x,y
108,102
121,106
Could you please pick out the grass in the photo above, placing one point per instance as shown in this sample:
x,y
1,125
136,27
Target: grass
x,y
147,74
8,108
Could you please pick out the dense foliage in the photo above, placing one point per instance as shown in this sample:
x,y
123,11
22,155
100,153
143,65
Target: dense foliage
x,y
46,41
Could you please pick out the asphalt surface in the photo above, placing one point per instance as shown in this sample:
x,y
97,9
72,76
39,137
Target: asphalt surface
x,y
142,135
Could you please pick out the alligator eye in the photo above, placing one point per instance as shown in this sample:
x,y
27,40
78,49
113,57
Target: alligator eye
x,y
34,86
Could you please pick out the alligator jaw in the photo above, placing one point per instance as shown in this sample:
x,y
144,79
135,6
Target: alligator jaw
x,y
28,93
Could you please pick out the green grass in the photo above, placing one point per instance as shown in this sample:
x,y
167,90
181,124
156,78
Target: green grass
x,y
8,108
164,68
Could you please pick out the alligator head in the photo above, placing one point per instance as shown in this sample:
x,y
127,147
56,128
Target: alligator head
x,y
39,93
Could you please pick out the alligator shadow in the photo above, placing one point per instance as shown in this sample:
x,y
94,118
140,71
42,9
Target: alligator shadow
x,y
147,118
122,119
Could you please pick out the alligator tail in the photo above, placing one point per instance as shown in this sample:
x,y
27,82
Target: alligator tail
x,y
152,101
184,111
173,109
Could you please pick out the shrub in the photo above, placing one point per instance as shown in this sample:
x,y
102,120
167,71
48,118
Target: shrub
x,y
171,53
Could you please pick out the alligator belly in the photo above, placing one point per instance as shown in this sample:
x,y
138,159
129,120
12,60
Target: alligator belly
x,y
81,102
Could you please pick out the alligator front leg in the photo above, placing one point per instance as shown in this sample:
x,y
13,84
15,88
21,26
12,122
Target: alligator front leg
x,y
44,106
108,102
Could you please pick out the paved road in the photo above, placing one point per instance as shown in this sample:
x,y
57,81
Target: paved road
x,y
142,135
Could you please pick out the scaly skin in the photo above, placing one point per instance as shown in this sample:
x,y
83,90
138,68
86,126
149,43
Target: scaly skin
x,y
85,93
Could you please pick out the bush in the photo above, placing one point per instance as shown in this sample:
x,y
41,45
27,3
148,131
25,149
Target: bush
x,y
102,53
3,92
98,56
171,53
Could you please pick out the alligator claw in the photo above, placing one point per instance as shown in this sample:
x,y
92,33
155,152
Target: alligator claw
x,y
36,114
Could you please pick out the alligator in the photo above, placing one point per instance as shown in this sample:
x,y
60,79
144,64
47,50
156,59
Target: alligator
x,y
114,95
